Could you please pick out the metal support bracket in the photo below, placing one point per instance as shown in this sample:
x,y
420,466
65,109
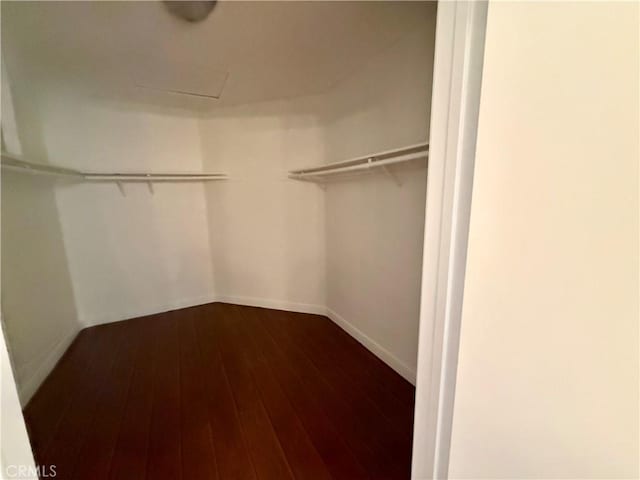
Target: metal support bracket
x,y
121,188
391,175
322,184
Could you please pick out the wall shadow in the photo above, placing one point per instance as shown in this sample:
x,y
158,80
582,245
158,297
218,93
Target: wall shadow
x,y
38,301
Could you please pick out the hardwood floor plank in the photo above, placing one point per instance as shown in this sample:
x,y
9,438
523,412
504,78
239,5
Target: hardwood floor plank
x,y
391,436
327,437
358,431
232,456
391,451
313,445
362,359
164,457
44,412
198,457
65,448
222,392
95,457
129,461
369,376
264,446
302,457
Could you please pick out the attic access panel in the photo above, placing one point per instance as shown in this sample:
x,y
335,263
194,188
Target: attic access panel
x,y
182,78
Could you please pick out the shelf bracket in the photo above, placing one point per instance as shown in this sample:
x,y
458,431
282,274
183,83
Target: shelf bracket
x,y
121,188
321,183
391,175
150,184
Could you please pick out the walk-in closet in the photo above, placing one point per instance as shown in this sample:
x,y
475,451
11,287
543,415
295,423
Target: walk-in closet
x,y
213,222
277,240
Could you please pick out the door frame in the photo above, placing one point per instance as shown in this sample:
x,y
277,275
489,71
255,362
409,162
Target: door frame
x,y
457,79
16,457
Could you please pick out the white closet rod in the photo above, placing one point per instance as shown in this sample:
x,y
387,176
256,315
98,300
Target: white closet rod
x,y
153,177
16,165
362,166
12,163
365,163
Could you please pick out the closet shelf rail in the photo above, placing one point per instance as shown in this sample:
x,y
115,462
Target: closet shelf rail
x,y
9,162
12,163
153,177
382,159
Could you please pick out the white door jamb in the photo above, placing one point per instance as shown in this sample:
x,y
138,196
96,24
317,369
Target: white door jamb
x,y
459,54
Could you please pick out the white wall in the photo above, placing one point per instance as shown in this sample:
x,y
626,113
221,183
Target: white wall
x,y
38,303
548,368
78,254
375,228
266,231
140,253
37,297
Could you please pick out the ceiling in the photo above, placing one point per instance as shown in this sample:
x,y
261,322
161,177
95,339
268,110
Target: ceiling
x,y
243,52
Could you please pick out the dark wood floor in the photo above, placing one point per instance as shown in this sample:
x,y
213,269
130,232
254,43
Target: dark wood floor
x,y
222,391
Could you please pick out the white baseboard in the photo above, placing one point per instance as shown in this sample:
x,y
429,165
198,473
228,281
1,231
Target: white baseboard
x,y
30,385
382,353
275,304
374,347
100,319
